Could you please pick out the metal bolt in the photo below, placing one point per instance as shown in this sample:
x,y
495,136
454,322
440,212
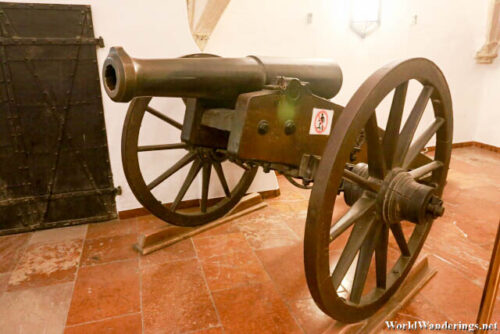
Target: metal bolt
x,y
435,210
435,207
263,127
290,127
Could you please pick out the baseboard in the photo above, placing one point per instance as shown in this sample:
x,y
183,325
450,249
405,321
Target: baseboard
x,y
126,214
488,147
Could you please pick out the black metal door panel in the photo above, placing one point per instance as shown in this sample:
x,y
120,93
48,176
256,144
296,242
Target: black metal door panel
x,y
54,161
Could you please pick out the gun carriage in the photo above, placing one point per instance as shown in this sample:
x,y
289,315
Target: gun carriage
x,y
276,113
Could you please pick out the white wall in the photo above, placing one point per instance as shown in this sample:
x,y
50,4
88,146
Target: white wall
x,y
487,128
447,31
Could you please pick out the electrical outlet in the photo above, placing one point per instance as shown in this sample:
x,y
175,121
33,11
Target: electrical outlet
x,y
309,18
414,19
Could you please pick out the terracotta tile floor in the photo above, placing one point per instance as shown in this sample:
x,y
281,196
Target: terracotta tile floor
x,y
244,277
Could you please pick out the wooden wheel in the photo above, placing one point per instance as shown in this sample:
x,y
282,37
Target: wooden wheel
x,y
387,193
200,159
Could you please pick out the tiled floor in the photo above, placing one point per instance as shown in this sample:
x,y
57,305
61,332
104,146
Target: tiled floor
x,y
243,277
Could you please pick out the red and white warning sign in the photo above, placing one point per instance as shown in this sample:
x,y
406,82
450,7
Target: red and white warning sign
x,y
321,122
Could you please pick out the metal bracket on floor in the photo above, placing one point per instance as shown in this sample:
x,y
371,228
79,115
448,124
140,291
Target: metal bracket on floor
x,y
150,242
415,281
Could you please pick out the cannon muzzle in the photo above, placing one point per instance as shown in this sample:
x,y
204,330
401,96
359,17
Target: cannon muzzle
x,y
211,77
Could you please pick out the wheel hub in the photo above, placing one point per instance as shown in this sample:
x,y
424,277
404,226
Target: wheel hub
x,y
401,197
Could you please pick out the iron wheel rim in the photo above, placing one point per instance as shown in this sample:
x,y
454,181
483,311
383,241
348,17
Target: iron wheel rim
x,y
355,116
139,187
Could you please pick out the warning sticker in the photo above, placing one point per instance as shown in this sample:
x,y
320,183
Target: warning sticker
x,y
321,121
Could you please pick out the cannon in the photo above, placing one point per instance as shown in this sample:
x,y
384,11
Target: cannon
x,y
277,114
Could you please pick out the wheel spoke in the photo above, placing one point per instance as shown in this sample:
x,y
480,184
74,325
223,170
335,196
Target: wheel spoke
x,y
356,212
361,181
147,148
178,165
222,178
164,118
207,168
358,235
193,171
406,136
376,160
363,265
423,170
397,231
421,141
381,257
391,135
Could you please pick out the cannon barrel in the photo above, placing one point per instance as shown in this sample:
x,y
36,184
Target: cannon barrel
x,y
211,77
